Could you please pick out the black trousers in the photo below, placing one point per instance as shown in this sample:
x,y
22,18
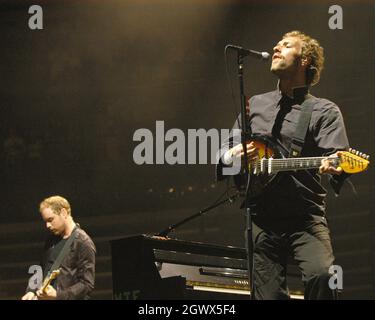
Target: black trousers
x,y
307,241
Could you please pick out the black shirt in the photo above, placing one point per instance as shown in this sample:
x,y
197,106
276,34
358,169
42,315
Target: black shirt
x,y
273,114
77,277
57,244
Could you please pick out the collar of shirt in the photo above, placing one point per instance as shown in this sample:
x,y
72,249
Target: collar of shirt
x,y
299,95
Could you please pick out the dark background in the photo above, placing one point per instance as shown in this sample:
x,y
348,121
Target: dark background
x,y
73,94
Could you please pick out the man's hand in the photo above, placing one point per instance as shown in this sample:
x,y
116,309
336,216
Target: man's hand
x,y
29,296
48,294
326,166
252,151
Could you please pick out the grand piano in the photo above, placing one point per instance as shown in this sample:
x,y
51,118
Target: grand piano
x,y
148,267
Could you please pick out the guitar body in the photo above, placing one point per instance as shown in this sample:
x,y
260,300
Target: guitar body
x,y
47,281
260,182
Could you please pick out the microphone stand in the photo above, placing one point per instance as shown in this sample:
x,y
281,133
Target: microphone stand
x,y
245,134
166,231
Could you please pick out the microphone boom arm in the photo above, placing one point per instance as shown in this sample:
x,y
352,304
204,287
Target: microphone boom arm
x,y
165,232
246,52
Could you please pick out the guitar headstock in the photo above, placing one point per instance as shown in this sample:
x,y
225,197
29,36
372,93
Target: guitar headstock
x,y
353,161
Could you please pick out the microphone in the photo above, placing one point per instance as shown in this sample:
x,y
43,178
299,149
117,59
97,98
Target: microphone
x,y
247,52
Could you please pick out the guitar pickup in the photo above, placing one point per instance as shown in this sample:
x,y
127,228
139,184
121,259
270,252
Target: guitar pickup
x,y
263,165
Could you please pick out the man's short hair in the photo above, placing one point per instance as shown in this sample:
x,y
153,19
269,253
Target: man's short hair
x,y
312,50
56,203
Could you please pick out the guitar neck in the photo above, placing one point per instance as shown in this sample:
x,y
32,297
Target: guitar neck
x,y
292,164
46,283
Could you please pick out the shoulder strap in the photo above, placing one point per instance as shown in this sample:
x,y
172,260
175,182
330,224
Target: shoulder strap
x,y
63,252
298,139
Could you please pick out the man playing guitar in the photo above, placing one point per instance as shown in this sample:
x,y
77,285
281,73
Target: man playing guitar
x,y
76,273
290,215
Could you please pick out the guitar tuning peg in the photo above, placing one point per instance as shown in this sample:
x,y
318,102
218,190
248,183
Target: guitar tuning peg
x,y
353,151
350,149
357,153
367,157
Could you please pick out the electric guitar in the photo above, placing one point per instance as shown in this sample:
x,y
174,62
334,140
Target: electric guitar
x,y
272,160
47,281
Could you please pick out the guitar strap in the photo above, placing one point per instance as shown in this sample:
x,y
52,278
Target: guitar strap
x,y
62,253
298,139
